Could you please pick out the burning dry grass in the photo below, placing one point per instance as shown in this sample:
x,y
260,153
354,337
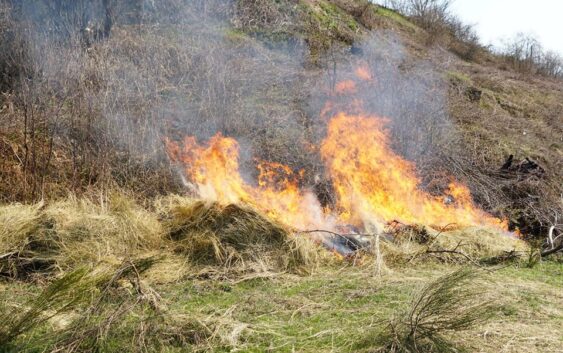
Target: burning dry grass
x,y
194,236
232,235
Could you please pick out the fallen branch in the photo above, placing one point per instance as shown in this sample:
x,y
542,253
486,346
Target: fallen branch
x,y
555,250
334,233
507,256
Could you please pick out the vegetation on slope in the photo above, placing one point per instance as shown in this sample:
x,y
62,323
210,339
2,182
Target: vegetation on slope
x,y
183,274
154,273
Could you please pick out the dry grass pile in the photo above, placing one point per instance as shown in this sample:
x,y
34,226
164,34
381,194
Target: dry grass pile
x,y
81,232
108,231
17,223
72,233
22,248
465,245
192,235
233,236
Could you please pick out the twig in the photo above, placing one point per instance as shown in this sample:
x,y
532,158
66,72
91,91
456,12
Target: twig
x,y
3,256
454,251
334,233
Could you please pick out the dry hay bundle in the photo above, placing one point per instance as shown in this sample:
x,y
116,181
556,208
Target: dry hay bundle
x,y
108,231
233,235
470,244
23,249
74,232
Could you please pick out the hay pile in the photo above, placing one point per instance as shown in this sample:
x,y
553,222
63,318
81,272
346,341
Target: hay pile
x,y
108,231
74,232
461,245
190,235
71,233
233,236
21,249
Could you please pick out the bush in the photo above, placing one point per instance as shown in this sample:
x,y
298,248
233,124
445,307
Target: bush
x,y
452,303
525,53
429,14
443,27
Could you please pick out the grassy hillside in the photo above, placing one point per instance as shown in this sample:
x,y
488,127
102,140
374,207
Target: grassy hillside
x,y
106,246
96,119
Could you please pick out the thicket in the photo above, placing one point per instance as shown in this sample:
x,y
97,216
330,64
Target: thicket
x,y
525,53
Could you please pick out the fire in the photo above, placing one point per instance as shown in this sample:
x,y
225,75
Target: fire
x,y
214,170
347,86
373,185
363,72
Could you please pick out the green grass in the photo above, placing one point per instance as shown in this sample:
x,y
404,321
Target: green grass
x,y
459,76
334,310
333,18
396,17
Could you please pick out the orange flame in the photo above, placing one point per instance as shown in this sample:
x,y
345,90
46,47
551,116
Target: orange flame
x,y
214,170
374,186
347,86
363,72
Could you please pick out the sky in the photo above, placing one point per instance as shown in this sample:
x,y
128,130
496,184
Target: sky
x,y
500,19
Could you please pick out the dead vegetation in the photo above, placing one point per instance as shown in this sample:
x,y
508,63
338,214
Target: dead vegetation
x,y
64,235
91,119
452,303
116,254
203,238
96,119
233,236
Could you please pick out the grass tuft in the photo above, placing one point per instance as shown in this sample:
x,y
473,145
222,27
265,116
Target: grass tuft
x,y
61,296
452,303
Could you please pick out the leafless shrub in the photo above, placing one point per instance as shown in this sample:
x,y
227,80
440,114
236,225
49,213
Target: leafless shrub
x,y
466,44
452,303
523,51
265,15
526,54
551,65
442,26
428,14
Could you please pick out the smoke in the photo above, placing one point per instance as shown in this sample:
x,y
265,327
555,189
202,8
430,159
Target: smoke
x,y
408,92
197,68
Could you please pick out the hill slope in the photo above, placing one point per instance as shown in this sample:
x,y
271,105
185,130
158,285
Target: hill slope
x,y
99,132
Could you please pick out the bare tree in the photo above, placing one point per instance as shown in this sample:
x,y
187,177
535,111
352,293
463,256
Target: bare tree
x,y
526,54
427,13
551,65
